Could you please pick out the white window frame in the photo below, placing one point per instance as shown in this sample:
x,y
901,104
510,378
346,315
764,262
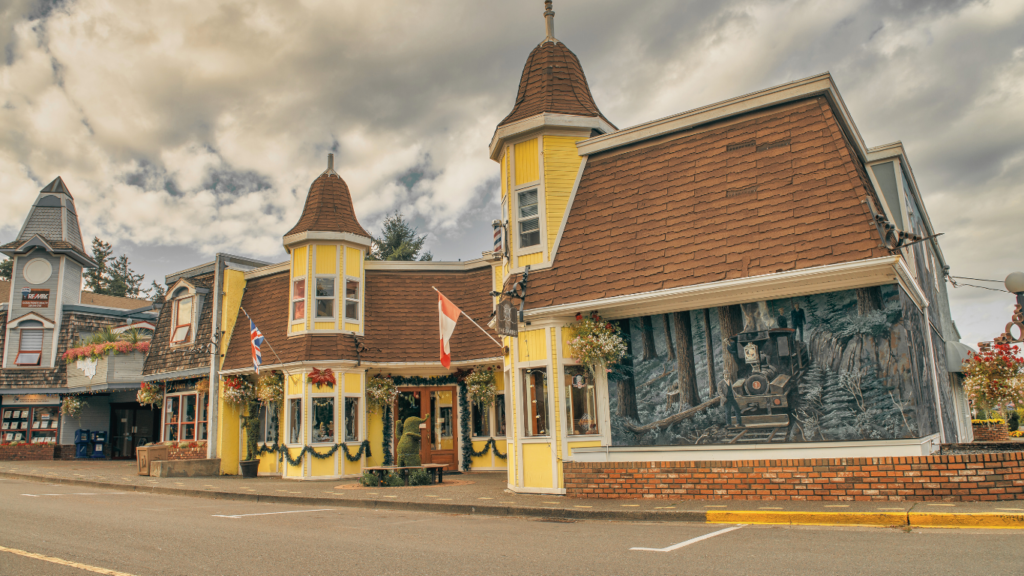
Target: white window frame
x,y
344,419
358,301
492,419
317,299
288,419
309,425
292,300
266,428
21,338
539,246
549,404
564,384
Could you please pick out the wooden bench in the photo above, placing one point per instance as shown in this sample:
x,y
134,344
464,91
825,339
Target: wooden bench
x,y
436,471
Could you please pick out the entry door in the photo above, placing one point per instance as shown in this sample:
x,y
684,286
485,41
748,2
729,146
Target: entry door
x,y
122,442
439,438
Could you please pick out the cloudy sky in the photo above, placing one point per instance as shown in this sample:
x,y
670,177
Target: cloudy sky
x,y
186,127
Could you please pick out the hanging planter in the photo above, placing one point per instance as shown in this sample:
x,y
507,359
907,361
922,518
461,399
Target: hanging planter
x,y
151,395
238,390
203,386
270,388
322,378
595,343
381,391
72,406
480,387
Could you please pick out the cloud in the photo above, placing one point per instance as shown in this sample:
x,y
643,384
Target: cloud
x,y
188,127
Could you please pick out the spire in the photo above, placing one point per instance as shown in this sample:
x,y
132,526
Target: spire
x,y
54,219
328,207
330,166
549,17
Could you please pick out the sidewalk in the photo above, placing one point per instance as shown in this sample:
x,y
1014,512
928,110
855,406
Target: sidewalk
x,y
485,493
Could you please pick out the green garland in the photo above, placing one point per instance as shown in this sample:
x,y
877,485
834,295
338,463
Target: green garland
x,y
442,380
467,444
284,452
491,445
389,458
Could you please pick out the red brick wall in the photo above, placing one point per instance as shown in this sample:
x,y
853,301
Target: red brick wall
x,y
990,432
967,477
26,451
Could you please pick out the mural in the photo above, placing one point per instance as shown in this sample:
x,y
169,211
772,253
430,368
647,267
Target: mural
x,y
841,366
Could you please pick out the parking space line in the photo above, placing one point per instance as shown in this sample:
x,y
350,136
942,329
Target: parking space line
x,y
63,562
690,541
269,513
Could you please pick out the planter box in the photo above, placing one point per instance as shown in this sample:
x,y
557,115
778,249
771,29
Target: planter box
x,y
112,369
185,468
146,455
990,432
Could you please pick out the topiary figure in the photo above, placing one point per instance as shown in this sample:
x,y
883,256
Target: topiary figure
x,y
409,444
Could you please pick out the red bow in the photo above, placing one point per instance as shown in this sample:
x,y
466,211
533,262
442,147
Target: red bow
x,y
322,377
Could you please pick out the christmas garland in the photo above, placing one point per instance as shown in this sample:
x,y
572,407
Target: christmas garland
x,y
467,444
284,452
491,445
389,458
442,380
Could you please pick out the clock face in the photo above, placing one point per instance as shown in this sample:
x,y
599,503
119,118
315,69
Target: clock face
x,y
37,271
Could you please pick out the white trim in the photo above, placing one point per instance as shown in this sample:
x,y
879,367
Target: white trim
x,y
537,122
820,279
418,266
907,281
291,241
268,270
47,323
568,209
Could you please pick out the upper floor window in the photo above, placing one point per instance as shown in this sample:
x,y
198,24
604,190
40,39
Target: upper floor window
x,y
182,331
298,299
325,297
30,347
352,300
529,219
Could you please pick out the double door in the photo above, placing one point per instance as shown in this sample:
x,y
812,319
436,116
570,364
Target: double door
x,y
132,426
439,440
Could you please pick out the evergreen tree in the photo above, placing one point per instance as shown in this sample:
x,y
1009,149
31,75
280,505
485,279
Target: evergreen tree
x,y
398,241
6,269
156,291
123,281
96,278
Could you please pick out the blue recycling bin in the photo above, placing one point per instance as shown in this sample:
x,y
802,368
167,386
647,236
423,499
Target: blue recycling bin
x,y
82,446
97,442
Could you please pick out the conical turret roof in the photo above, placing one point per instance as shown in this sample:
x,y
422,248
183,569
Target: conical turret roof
x,y
329,206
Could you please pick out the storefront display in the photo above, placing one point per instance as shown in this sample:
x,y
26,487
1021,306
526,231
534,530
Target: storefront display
x,y
35,424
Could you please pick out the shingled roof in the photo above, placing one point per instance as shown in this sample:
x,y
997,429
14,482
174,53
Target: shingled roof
x,y
767,191
553,81
329,207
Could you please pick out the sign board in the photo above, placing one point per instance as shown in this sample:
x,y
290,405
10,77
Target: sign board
x,y
35,298
505,318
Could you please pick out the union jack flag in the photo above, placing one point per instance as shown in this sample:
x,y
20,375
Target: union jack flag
x,y
257,340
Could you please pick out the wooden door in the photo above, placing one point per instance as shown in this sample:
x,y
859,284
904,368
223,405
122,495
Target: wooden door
x,y
439,440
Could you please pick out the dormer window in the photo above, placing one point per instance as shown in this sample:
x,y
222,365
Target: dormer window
x,y
298,299
529,219
30,345
325,298
182,331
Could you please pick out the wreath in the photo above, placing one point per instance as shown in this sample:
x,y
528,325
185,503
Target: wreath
x,y
381,391
480,386
595,343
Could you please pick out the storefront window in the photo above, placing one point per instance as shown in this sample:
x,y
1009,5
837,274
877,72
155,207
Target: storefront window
x,y
268,423
201,421
185,416
481,420
171,409
188,417
35,424
351,419
499,416
580,401
323,420
295,421
441,421
535,402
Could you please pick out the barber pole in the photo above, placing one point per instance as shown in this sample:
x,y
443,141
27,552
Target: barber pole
x,y
496,224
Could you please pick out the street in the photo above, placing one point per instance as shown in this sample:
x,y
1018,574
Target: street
x,y
109,532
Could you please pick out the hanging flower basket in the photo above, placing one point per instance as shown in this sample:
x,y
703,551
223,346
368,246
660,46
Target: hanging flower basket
x,y
595,343
203,386
151,395
270,388
72,406
322,378
381,391
480,386
238,390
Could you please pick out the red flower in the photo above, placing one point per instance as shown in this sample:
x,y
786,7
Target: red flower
x,y
579,316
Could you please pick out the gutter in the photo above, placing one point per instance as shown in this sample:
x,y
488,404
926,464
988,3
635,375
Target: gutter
x,y
215,340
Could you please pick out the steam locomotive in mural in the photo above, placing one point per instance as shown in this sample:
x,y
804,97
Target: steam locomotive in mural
x,y
769,366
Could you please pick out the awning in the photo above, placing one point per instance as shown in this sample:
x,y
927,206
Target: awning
x,y
956,354
78,390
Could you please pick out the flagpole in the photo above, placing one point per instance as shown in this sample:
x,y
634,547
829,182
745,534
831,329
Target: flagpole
x,y
279,361
500,345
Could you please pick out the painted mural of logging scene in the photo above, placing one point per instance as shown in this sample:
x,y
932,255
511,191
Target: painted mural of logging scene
x,y
841,366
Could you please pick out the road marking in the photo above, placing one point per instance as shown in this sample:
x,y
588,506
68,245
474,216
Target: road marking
x,y
269,513
630,505
582,506
940,504
550,502
664,507
838,506
690,541
769,508
485,498
714,506
74,494
62,562
1011,509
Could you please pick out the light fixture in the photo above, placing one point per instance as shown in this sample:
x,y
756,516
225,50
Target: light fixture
x,y
1015,282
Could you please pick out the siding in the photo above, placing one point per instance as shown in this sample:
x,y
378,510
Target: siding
x,y
561,164
72,292
527,167
18,282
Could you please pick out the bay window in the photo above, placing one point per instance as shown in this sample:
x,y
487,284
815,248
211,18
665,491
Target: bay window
x,y
351,419
298,299
580,401
352,300
294,420
325,298
529,219
185,416
323,420
268,424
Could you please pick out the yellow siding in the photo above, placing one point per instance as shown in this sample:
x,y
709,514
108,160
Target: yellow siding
x,y
294,471
375,434
537,465
527,166
511,431
350,468
481,461
295,384
353,383
228,437
531,259
351,327
326,259
353,259
566,336
299,262
324,325
557,408
504,175
561,164
499,381
587,444
532,346
323,467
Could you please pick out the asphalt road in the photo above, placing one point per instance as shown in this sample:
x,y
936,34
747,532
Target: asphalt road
x,y
145,534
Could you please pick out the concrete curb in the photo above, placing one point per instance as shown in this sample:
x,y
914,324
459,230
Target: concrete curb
x,y
785,518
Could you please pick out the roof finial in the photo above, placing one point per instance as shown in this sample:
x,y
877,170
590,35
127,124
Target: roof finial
x,y
330,166
549,16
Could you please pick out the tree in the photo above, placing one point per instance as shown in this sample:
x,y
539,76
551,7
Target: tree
x,y
398,241
6,269
687,367
123,281
647,332
96,278
156,291
626,385
730,323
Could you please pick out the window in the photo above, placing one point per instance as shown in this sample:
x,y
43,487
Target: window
x,y
529,219
298,299
580,401
268,426
171,409
182,321
325,298
295,420
481,421
30,347
323,420
351,419
535,402
352,300
488,421
185,416
499,416
35,424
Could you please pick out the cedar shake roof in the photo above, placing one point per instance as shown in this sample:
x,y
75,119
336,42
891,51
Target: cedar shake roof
x,y
329,208
553,81
401,320
164,358
768,191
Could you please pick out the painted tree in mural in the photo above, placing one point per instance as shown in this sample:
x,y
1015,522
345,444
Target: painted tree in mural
x,y
626,388
730,322
647,330
668,338
687,391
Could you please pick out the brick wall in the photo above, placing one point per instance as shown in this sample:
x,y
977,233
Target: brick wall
x,y
961,477
26,451
990,432
188,451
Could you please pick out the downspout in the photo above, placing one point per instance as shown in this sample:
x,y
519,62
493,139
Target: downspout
x,y
215,345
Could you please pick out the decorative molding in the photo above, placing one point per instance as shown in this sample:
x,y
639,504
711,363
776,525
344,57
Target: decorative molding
x,y
312,235
541,121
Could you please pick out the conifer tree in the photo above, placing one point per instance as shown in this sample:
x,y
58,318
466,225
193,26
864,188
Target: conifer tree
x,y
6,269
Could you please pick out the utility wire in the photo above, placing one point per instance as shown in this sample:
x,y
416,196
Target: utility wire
x,y
977,279
983,287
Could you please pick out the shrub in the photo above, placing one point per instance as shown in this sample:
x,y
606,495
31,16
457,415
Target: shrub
x,y
394,480
369,480
419,477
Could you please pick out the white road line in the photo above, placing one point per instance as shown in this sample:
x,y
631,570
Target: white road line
x,y
75,494
269,513
64,562
690,541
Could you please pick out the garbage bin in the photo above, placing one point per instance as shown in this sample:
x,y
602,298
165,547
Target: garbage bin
x,y
82,447
145,455
98,441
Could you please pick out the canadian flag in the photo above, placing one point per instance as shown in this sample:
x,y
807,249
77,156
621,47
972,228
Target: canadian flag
x,y
448,314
